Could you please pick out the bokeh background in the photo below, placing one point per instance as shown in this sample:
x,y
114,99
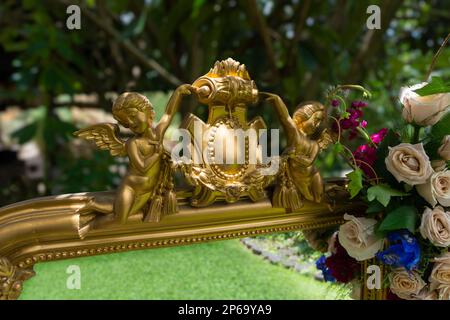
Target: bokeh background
x,y
54,80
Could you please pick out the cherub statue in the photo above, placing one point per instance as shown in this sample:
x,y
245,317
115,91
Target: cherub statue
x,y
306,137
149,166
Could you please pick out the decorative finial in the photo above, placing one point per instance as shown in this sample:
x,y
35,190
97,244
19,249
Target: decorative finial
x,y
228,67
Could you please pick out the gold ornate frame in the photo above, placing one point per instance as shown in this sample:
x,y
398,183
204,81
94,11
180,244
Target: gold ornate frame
x,y
238,202
49,228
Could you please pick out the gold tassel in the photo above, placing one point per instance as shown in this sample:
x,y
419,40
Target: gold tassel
x,y
279,196
154,210
170,202
280,192
293,200
286,196
170,197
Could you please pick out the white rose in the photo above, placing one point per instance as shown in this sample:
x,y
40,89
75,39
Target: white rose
x,y
444,149
437,189
424,111
435,226
443,292
406,284
440,275
332,243
358,238
426,294
409,163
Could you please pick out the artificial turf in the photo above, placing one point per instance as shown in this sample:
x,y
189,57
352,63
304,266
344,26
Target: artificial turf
x,y
216,270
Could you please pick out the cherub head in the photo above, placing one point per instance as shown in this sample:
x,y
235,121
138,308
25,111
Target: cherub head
x,y
133,110
309,117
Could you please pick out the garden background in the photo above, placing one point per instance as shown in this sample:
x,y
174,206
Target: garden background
x,y
54,80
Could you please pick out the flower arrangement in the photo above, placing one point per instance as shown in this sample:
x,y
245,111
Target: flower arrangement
x,y
403,176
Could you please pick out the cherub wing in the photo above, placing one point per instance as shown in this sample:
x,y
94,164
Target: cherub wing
x,y
105,136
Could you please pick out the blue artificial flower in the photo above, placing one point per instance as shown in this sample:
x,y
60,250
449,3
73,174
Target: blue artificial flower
x,y
321,265
403,250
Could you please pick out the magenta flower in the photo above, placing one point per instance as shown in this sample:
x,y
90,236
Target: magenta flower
x,y
355,114
365,157
335,103
379,136
352,134
366,153
348,124
359,104
352,121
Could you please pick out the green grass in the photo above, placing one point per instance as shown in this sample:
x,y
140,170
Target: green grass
x,y
217,270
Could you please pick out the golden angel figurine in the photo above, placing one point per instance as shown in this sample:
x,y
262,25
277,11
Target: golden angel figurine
x,y
306,137
149,173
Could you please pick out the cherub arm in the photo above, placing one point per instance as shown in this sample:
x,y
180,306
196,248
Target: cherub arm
x,y
305,153
172,107
307,159
140,163
283,114
325,139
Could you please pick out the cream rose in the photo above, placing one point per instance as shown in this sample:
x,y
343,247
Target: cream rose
x,y
426,294
424,111
438,165
443,292
406,284
437,189
444,149
358,238
409,163
435,226
440,275
332,243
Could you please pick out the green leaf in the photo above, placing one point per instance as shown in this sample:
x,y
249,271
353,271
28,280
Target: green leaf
x,y
435,136
407,132
435,86
26,133
441,128
404,217
338,147
375,207
355,184
383,193
345,115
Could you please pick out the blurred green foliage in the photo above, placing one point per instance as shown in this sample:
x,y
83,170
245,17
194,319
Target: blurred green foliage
x,y
296,48
313,44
